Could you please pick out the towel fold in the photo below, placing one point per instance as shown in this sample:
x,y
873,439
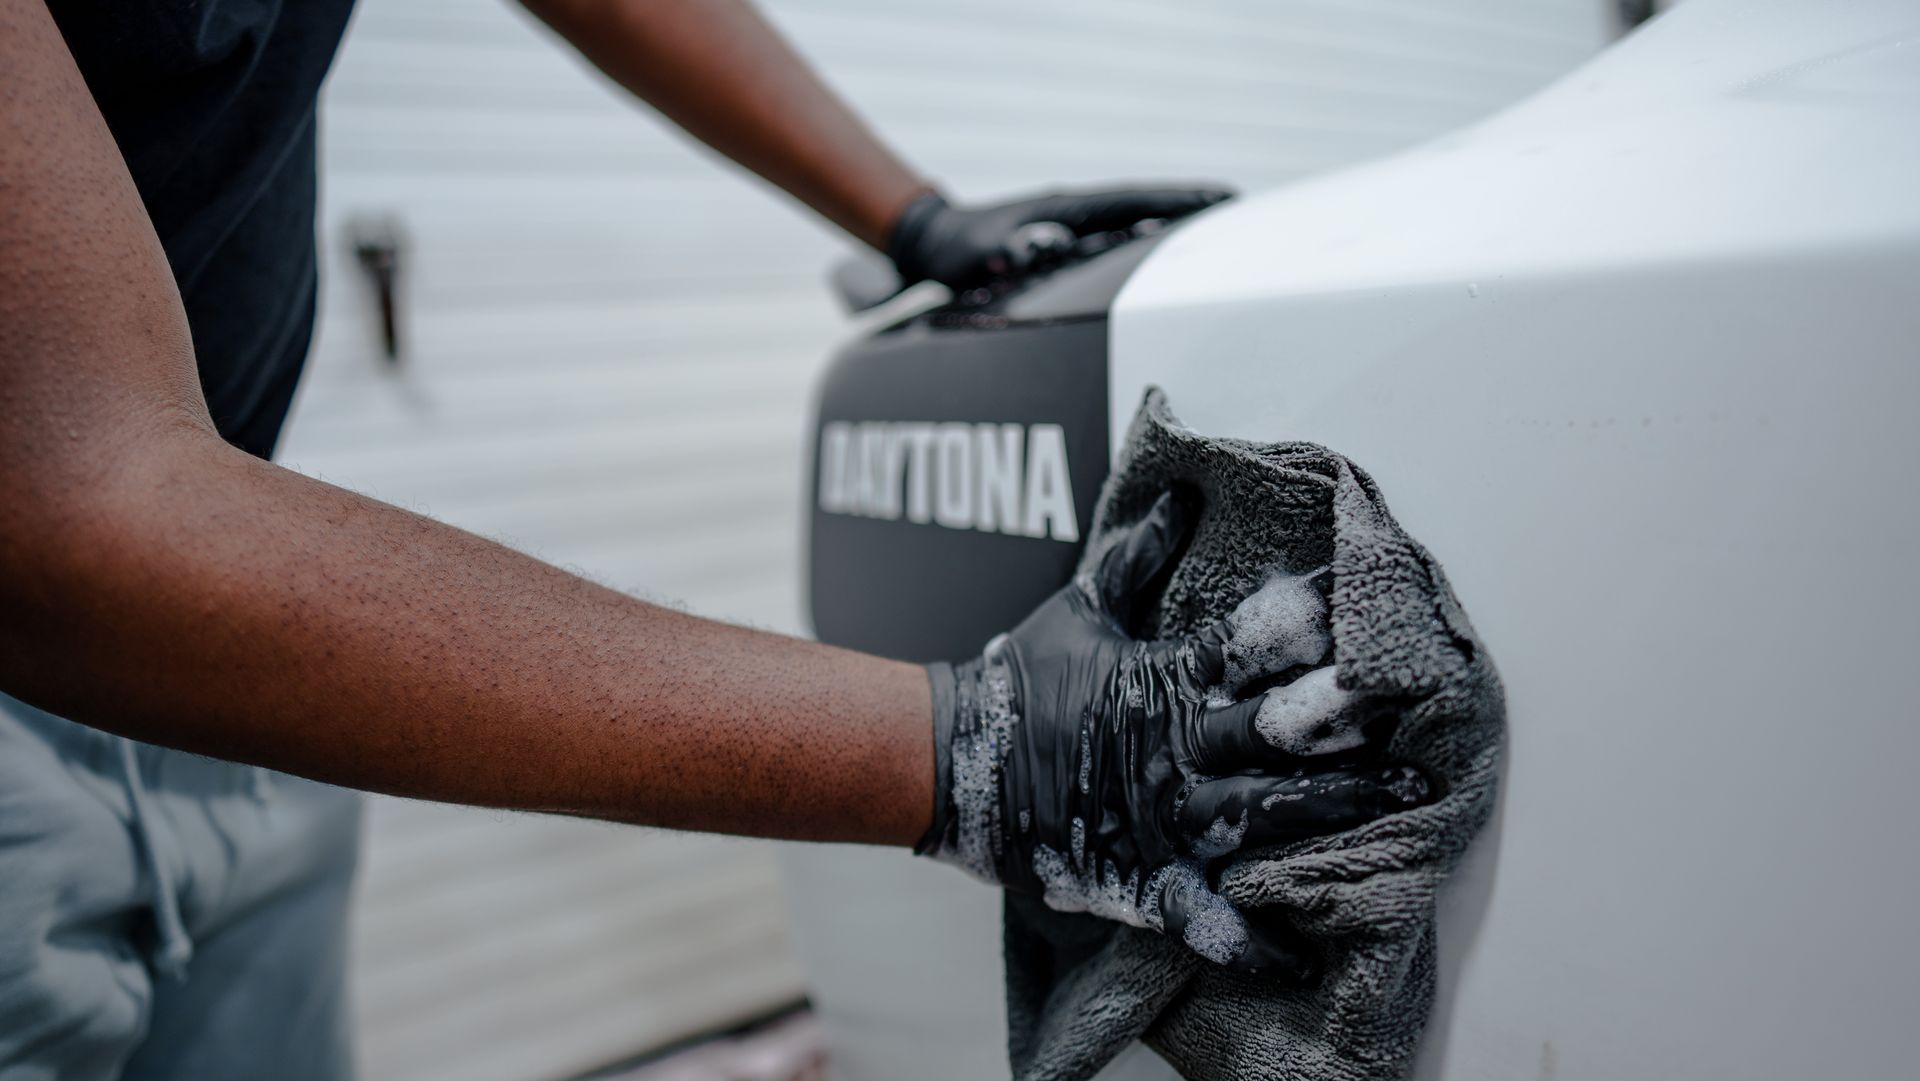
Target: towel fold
x,y
1079,989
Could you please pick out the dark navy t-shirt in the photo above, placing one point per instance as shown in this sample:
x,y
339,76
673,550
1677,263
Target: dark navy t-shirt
x,y
212,103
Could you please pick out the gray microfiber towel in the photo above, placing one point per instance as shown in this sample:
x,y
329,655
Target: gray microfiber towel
x,y
1079,989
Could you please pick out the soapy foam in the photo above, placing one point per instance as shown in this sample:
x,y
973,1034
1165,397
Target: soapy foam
x,y
1221,837
977,759
1086,758
1282,625
1068,889
1312,716
1215,930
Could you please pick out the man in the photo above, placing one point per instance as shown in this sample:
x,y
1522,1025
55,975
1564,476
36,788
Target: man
x,y
165,915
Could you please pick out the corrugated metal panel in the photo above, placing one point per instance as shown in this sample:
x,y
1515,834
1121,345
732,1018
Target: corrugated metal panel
x,y
610,341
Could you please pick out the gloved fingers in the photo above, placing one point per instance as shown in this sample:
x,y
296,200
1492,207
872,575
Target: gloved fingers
x,y
1146,549
1029,244
1314,715
1094,212
1204,655
1224,738
1263,946
1282,626
1233,813
1311,717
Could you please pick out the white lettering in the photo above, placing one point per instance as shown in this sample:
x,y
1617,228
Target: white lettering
x,y
918,439
1049,496
953,498
999,450
997,478
869,493
835,440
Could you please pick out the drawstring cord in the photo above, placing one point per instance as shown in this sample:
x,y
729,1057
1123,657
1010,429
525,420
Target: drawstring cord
x,y
175,948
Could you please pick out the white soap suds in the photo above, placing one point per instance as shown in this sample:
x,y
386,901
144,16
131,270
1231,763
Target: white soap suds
x,y
1086,758
1312,715
1281,625
1150,915
1214,929
977,759
1187,657
1070,890
1221,837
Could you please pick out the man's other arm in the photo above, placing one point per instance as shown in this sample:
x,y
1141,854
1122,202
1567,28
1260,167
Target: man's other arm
x,y
721,72
718,70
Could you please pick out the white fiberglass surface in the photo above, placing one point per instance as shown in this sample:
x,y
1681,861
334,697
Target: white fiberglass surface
x,y
1723,130
1637,362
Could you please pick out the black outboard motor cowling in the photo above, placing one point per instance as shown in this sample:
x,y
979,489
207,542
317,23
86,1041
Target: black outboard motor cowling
x,y
957,456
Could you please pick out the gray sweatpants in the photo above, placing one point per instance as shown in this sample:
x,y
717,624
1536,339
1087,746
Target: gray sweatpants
x,y
166,917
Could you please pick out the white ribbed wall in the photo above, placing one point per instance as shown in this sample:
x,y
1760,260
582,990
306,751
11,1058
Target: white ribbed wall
x,y
610,341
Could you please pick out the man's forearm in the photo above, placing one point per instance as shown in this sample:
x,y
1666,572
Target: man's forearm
x,y
204,599
155,581
717,69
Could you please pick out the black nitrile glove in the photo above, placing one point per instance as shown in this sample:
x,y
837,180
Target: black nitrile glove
x,y
1105,774
961,247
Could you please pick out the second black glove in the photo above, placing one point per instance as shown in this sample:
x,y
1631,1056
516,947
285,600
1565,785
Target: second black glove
x,y
962,247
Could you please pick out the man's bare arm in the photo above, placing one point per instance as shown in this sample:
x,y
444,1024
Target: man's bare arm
x,y
157,582
718,70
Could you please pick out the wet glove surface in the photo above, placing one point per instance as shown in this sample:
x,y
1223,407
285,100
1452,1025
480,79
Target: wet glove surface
x,y
961,247
1107,775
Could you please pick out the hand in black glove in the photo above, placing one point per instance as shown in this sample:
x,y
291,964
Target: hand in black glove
x,y
962,247
1105,774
